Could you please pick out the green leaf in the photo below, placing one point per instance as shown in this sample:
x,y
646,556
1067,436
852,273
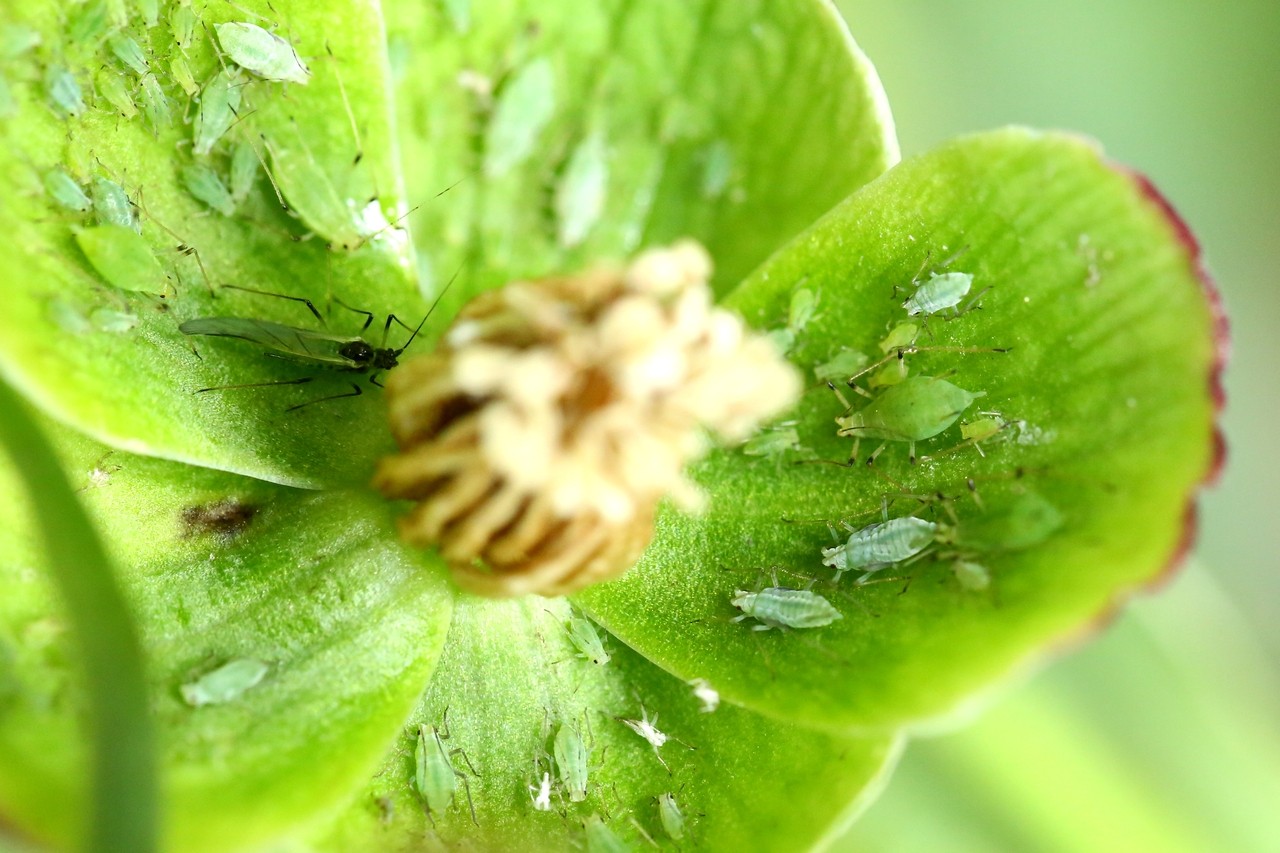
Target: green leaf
x,y
132,387
510,679
734,123
1107,388
220,569
105,644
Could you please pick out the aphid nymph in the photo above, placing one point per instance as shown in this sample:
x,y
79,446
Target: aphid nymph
x,y
780,607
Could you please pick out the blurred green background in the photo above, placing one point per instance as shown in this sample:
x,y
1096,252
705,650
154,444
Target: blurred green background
x,y
1164,733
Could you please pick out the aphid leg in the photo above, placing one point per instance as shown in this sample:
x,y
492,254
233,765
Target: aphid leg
x,y
301,381
871,460
368,318
183,248
466,783
307,302
346,105
970,304
355,392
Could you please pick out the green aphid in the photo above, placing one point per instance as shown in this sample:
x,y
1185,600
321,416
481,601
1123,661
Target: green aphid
x,y
64,190
602,839
111,320
63,91
779,607
68,317
127,50
111,86
586,639
181,73
901,335
573,759
939,293
155,103
182,23
670,816
804,304
225,684
219,109
1027,520
263,53
207,186
17,39
581,193
150,11
916,409
435,779
771,443
88,22
112,204
122,257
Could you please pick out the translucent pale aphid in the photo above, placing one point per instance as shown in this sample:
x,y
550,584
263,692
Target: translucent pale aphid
x,y
155,103
129,52
939,293
980,429
150,10
244,170
778,607
1027,520
880,545
225,684
585,638
206,185
110,320
112,204
772,442
670,815
581,193
63,189
110,84
804,303
265,54
63,91
919,407
972,577
182,21
219,108
602,839
525,104
572,758
844,364
122,257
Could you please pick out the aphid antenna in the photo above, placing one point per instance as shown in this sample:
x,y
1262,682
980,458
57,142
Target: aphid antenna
x,y
346,104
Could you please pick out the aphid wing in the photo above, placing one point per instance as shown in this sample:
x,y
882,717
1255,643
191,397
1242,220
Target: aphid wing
x,y
288,341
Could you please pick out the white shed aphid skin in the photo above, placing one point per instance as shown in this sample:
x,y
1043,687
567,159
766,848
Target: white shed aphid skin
x,y
573,760
706,694
262,53
64,92
127,50
207,186
916,409
224,684
219,108
155,103
586,639
112,205
111,86
880,545
540,794
435,779
781,608
670,816
64,190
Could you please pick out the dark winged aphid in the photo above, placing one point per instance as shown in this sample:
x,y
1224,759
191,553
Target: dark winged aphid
x,y
319,347
225,519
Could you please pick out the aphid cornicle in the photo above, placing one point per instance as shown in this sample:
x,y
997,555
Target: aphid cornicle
x,y
779,607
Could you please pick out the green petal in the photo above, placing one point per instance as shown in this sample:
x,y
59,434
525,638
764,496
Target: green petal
x,y
221,569
130,384
1109,392
510,679
558,135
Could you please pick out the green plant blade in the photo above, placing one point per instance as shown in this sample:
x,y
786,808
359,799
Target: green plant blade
x,y
131,384
345,627
122,781
555,135
1109,394
510,679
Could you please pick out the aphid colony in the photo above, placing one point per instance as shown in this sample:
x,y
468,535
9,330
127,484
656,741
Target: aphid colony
x,y
902,407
